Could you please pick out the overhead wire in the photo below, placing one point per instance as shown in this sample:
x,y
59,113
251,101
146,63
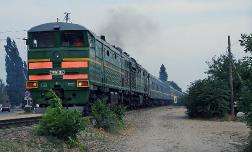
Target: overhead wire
x,y
15,31
12,31
17,38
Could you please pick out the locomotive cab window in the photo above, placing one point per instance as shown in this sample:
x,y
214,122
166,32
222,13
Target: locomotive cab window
x,y
72,39
42,40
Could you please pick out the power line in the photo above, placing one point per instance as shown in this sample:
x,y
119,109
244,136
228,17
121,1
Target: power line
x,y
17,38
15,31
12,31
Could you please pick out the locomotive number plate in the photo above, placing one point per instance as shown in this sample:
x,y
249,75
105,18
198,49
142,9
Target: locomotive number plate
x,y
57,72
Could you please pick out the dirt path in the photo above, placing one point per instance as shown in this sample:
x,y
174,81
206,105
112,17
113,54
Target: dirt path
x,y
167,129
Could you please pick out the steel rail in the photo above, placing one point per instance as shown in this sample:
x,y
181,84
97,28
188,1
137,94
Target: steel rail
x,y
16,122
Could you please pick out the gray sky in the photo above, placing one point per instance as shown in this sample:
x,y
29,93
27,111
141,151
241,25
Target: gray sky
x,y
181,34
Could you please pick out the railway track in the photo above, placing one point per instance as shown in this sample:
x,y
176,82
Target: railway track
x,y
19,121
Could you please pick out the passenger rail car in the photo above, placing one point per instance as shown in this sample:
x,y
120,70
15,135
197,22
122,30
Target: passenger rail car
x,y
82,67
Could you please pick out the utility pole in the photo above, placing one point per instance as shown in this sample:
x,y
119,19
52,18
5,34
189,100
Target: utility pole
x,y
231,77
67,18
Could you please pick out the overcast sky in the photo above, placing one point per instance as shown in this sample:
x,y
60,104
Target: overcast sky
x,y
181,34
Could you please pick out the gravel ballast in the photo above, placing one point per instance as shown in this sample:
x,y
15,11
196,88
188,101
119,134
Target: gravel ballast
x,y
168,129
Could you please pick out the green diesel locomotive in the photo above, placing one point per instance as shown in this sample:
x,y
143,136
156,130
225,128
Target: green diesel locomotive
x,y
82,67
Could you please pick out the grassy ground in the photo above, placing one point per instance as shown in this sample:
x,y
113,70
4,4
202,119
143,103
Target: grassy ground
x,y
23,140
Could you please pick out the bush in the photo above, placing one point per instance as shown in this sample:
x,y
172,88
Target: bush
x,y
207,98
28,109
119,110
245,103
249,146
58,122
248,117
105,117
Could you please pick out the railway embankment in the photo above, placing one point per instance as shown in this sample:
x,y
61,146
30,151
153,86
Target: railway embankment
x,y
161,129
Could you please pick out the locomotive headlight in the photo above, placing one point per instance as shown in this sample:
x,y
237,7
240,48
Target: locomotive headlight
x,y
31,84
82,83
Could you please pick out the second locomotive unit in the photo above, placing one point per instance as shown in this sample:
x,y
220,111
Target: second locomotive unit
x,y
82,67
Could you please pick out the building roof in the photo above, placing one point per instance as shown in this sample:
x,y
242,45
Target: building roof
x,y
57,26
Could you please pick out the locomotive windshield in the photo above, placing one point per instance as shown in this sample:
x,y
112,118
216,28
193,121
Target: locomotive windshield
x,y
43,39
72,38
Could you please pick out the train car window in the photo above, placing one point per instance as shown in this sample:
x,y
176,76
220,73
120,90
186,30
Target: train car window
x,y
42,40
107,52
112,54
72,39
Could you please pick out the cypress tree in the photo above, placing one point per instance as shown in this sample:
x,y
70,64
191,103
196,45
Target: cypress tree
x,y
163,76
16,70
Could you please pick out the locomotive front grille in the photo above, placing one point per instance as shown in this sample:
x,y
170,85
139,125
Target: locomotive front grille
x,y
69,69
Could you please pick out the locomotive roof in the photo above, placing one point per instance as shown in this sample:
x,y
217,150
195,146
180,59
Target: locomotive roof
x,y
61,25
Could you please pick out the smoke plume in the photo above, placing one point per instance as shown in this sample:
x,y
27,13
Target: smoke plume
x,y
129,30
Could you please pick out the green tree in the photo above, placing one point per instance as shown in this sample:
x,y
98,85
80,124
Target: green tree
x,y
207,98
218,67
163,76
246,42
245,70
245,103
210,97
16,70
219,70
245,75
